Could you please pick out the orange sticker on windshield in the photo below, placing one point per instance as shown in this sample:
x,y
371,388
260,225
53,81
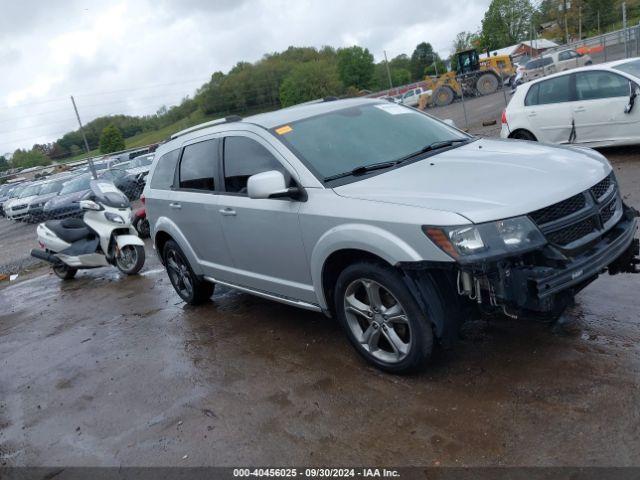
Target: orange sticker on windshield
x,y
283,130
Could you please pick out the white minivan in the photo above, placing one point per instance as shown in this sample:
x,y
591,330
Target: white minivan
x,y
594,105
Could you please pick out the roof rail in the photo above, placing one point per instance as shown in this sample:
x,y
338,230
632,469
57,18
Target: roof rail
x,y
219,121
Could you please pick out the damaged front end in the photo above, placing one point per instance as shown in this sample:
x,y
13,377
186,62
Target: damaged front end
x,y
537,263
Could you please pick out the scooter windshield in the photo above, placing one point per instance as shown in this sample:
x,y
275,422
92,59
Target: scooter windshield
x,y
108,194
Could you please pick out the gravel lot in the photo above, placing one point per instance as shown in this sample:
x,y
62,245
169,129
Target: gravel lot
x,y
108,370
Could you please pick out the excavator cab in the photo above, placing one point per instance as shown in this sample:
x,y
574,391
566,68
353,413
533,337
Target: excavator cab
x,y
468,61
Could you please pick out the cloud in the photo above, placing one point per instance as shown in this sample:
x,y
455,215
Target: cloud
x,y
132,56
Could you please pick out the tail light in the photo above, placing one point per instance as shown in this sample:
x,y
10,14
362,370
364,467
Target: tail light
x,y
504,116
142,199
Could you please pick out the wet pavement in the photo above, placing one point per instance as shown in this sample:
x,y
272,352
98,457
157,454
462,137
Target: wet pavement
x,y
114,370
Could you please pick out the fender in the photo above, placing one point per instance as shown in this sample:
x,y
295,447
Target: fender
x,y
164,224
357,236
123,240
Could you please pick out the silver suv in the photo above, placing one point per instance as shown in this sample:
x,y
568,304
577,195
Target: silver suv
x,y
394,222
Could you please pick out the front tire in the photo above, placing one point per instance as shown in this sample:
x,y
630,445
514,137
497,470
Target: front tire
x,y
382,319
187,285
64,272
130,259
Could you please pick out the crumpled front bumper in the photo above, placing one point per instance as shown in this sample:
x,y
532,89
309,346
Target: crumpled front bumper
x,y
534,287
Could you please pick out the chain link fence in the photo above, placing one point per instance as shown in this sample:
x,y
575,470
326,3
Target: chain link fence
x,y
481,114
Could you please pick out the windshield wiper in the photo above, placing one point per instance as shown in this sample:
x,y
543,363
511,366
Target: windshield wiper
x,y
362,169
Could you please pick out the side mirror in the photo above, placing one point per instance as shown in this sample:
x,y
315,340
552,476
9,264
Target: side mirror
x,y
270,184
89,205
450,122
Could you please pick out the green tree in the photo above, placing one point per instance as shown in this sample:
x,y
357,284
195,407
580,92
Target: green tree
x,y
506,22
465,41
111,139
309,81
29,158
355,67
422,57
4,163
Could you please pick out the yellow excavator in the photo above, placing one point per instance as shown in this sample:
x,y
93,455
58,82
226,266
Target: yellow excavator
x,y
471,77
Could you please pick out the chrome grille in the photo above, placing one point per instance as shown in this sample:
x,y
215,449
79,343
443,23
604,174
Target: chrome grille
x,y
581,217
572,233
601,188
19,207
609,210
559,210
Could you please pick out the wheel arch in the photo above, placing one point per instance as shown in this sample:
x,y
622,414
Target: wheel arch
x,y
522,130
165,230
346,244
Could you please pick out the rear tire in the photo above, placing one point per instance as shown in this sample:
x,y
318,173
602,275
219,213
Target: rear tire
x,y
523,135
187,285
442,96
487,84
130,259
64,272
382,319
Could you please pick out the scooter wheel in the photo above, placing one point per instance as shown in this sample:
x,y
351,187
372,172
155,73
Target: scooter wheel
x,y
64,272
130,259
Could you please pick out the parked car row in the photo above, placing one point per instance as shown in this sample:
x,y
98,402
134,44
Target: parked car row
x,y
58,196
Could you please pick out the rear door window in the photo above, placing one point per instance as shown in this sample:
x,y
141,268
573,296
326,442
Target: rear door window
x,y
165,171
198,166
244,157
596,85
532,96
555,90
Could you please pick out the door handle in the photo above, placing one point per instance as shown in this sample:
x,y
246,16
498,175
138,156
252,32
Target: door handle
x,y
532,114
228,212
579,109
177,206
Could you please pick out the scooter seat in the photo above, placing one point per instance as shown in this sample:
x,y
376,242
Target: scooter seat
x,y
69,229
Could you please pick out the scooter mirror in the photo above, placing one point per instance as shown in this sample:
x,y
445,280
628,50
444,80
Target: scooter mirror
x,y
89,205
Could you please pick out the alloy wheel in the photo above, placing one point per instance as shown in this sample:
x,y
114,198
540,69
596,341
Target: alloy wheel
x,y
377,320
179,274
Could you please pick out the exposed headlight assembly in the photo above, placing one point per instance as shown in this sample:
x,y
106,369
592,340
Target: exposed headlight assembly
x,y
468,243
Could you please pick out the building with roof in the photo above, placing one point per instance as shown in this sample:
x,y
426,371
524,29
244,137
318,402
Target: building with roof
x,y
531,48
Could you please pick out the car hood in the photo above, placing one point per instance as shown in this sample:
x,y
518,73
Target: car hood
x,y
65,200
487,179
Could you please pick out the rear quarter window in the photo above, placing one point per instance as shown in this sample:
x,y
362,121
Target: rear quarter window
x,y
164,172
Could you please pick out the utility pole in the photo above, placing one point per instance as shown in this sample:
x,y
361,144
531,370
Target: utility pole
x,y
386,62
84,137
624,28
598,22
580,22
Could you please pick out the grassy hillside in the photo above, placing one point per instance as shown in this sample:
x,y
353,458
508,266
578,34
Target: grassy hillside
x,y
155,136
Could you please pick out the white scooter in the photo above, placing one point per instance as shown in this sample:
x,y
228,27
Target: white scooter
x,y
103,237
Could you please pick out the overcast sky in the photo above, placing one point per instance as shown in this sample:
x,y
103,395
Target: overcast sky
x,y
133,56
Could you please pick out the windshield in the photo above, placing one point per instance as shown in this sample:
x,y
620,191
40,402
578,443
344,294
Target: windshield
x,y
18,190
108,194
76,185
51,187
632,68
356,137
29,191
